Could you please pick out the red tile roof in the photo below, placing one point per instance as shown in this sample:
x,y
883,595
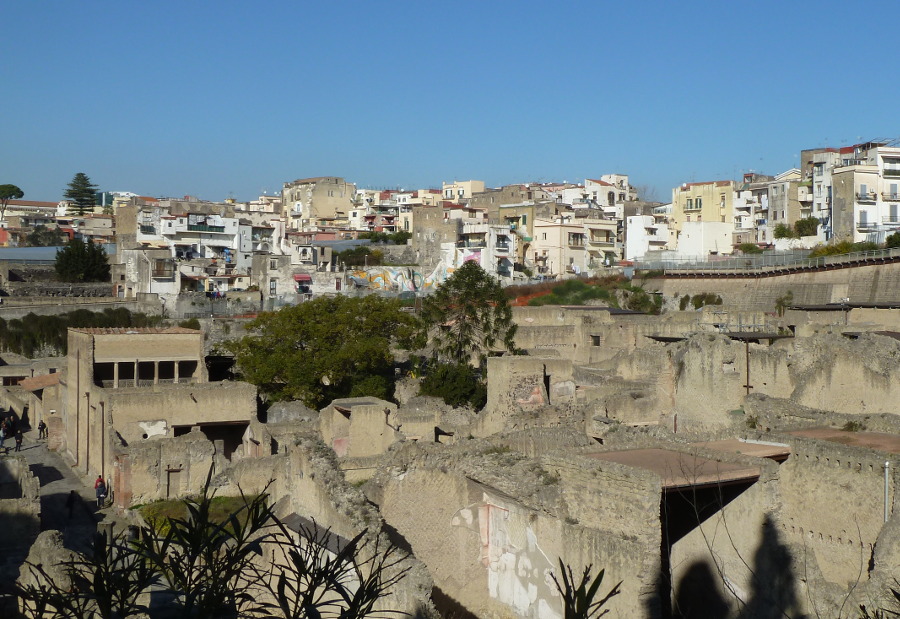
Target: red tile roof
x,y
39,382
604,183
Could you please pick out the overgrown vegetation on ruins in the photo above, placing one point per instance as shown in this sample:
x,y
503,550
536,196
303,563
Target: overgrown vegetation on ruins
x,y
217,568
613,291
34,336
458,384
699,300
327,348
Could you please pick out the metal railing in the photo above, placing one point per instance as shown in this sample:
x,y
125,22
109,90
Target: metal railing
x,y
768,262
205,228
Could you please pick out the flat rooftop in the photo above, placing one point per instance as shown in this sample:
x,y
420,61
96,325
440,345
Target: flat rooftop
x,y
870,440
681,470
134,330
759,449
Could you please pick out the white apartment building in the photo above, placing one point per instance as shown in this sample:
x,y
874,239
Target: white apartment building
x,y
492,246
644,233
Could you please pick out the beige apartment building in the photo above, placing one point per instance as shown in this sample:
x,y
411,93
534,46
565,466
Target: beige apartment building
x,y
461,190
711,201
318,202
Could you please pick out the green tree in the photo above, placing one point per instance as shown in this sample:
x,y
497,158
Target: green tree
x,y
324,349
7,193
892,240
458,384
82,262
42,236
807,226
750,248
783,231
468,316
82,193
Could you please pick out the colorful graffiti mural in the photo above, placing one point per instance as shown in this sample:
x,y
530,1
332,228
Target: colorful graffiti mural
x,y
399,279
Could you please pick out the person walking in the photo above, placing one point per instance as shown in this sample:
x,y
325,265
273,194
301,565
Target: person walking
x,y
3,431
42,430
19,440
100,489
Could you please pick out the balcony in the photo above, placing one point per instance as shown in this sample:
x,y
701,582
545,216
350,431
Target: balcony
x,y
890,197
866,225
148,229
502,247
473,244
163,273
504,272
205,228
602,241
868,196
892,172
891,220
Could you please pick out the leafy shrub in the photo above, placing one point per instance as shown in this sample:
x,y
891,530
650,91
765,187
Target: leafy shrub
x,y
458,384
190,323
750,248
808,226
893,240
685,301
783,231
397,238
843,247
705,298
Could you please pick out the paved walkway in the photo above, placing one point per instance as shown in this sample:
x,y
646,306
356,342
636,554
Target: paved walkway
x,y
57,481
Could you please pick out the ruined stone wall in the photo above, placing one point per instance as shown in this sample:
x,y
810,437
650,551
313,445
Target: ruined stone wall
x,y
163,468
362,430
20,511
493,553
151,411
832,504
314,488
711,371
860,376
521,383
738,558
863,284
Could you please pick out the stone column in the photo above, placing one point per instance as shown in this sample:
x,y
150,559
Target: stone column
x,y
116,375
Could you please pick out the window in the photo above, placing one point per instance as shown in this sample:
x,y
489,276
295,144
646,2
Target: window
x,y
722,200
689,205
273,264
595,340
543,236
699,203
337,283
273,287
818,190
893,191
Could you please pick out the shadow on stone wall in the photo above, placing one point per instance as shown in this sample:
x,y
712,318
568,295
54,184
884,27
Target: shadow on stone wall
x,y
773,586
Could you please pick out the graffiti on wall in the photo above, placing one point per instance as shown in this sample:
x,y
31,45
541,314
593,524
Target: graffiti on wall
x,y
518,571
399,279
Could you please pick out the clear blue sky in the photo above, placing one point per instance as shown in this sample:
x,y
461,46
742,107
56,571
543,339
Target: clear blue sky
x,y
234,97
